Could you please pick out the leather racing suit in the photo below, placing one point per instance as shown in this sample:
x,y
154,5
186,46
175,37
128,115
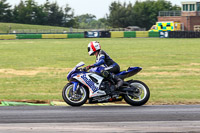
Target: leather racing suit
x,y
103,59
111,67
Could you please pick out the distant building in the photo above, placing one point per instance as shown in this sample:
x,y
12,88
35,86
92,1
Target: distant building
x,y
189,15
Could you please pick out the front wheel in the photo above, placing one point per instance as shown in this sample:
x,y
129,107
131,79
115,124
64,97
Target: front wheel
x,y
139,98
72,98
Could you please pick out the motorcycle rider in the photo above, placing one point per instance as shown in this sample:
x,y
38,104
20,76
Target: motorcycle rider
x,y
103,59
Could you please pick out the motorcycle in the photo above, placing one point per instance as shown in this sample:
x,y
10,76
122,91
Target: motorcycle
x,y
92,86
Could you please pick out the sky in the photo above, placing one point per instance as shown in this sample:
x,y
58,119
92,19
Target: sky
x,y
99,8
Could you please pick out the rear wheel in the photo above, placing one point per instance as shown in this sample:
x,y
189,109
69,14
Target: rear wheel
x,y
76,98
140,97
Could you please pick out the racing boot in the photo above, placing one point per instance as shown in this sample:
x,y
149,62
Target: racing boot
x,y
117,80
113,88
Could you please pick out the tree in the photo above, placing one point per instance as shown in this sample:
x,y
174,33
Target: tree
x,y
40,15
28,12
73,23
18,13
89,21
68,19
103,23
85,20
115,14
121,15
5,11
56,15
147,11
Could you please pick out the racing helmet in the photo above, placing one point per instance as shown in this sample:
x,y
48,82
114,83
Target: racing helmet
x,y
93,47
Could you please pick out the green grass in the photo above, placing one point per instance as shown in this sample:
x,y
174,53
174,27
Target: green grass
x,y
37,69
4,28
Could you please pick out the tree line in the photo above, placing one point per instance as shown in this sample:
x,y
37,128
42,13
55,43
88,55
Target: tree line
x,y
142,14
29,12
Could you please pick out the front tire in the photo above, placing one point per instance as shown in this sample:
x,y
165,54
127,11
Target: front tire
x,y
141,97
77,98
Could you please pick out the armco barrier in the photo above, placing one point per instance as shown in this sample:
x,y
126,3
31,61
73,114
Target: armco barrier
x,y
154,34
91,34
47,36
184,34
116,34
57,36
105,34
97,34
54,36
7,37
29,36
142,34
128,34
75,35
197,35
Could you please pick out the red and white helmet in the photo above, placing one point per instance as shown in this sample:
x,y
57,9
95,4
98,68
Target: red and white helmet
x,y
93,47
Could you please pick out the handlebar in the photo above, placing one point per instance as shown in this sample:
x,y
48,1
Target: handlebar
x,y
83,69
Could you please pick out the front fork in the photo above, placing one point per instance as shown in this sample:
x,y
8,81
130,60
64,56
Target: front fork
x,y
75,85
76,93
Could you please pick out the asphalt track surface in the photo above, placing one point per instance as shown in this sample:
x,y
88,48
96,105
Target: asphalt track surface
x,y
166,118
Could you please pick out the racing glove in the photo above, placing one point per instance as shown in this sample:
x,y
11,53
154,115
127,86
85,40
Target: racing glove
x,y
88,67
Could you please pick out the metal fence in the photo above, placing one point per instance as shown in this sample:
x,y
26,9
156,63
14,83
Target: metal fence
x,y
169,13
44,31
64,31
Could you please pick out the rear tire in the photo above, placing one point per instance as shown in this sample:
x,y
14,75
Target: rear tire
x,y
74,99
143,95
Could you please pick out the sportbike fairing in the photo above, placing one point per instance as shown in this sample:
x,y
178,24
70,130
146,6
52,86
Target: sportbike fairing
x,y
130,72
85,78
74,69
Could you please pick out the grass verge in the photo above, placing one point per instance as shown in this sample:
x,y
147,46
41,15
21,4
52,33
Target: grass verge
x,y
37,69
